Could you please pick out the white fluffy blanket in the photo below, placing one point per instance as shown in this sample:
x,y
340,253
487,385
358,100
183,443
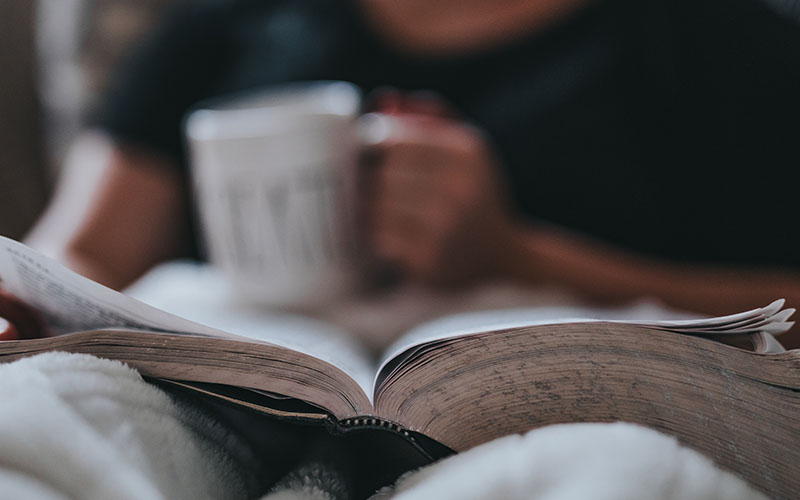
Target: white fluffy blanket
x,y
74,426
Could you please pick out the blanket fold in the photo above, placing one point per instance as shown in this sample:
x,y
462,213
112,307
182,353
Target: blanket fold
x,y
75,426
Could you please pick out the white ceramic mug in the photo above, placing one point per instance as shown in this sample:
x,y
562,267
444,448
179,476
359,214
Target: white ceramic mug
x,y
274,175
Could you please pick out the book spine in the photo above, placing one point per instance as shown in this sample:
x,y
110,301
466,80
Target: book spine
x,y
374,423
430,449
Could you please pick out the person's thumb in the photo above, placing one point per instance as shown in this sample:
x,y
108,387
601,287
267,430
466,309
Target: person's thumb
x,y
24,322
7,331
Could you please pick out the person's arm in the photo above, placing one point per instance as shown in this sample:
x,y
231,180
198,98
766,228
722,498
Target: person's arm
x,y
606,274
438,211
116,213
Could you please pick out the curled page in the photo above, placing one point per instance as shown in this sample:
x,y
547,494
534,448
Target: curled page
x,y
72,303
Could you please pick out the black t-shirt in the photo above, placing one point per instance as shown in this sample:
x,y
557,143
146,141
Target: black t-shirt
x,y
669,127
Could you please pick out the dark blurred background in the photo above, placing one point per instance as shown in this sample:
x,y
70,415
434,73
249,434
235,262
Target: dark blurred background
x,y
55,57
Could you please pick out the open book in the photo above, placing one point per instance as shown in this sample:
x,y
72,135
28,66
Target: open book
x,y
722,385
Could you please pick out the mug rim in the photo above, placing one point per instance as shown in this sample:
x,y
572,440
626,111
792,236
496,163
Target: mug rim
x,y
270,110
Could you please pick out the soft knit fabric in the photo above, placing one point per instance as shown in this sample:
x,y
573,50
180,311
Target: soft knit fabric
x,y
575,461
75,426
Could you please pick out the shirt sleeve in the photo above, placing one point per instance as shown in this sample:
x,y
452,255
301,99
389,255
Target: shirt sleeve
x,y
174,67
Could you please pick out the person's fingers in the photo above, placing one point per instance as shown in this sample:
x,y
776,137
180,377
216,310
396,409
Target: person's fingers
x,y
421,216
427,103
413,236
392,243
423,103
430,183
406,220
417,169
427,179
383,135
25,319
384,100
7,331
403,179
375,129
405,250
398,180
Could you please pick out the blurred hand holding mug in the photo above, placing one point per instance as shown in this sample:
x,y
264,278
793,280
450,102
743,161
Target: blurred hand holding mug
x,y
435,205
278,184
275,179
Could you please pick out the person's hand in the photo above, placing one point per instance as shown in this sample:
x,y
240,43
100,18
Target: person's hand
x,y
18,320
435,205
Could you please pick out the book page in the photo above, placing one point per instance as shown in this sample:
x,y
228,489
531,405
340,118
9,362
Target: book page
x,y
199,293
771,318
72,303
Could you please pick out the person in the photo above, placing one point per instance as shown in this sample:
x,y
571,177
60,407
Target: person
x,y
618,148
